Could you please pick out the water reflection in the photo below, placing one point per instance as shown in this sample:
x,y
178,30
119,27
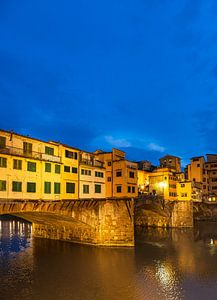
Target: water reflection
x,y
165,264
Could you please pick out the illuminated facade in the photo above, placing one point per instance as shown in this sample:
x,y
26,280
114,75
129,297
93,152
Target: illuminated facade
x,y
121,174
34,169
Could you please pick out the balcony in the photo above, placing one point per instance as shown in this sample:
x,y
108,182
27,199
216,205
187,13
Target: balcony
x,y
92,163
34,155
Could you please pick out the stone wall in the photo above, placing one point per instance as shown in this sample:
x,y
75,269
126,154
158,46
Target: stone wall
x,y
170,214
182,214
100,222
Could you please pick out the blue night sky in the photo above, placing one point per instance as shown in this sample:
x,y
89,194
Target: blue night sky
x,y
139,75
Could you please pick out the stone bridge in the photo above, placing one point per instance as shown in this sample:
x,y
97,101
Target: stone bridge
x,y
103,222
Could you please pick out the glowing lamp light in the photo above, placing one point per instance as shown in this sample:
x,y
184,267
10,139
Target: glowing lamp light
x,y
162,184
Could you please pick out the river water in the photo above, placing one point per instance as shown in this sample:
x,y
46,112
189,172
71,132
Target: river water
x,y
165,264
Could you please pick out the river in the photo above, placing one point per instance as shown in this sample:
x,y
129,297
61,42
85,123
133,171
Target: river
x,y
165,264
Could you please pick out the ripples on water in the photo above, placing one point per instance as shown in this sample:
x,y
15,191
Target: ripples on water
x,y
165,264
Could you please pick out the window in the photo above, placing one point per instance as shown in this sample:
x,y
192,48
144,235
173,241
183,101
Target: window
x,y
17,164
47,167
49,150
109,163
85,172
133,189
2,185
99,174
129,189
27,148
132,174
85,189
70,187
67,169
47,187
118,189
56,188
31,166
97,188
71,154
31,187
74,170
3,162
182,185
109,179
198,165
204,187
57,169
16,186
118,174
2,142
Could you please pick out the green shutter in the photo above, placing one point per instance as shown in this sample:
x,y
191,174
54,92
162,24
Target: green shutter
x,y
70,187
31,187
47,167
47,187
56,188
3,162
2,185
57,169
31,166
17,186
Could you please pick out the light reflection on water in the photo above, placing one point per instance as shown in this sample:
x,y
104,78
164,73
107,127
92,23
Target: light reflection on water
x,y
165,264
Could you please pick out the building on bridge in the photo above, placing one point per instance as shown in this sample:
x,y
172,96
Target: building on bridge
x,y
121,174
34,169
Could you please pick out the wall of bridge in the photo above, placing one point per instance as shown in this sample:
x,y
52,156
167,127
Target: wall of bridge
x,y
99,222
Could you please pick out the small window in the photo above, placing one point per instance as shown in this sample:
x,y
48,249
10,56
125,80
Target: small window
x,y
47,187
47,167
133,189
74,170
97,188
198,165
182,185
3,162
31,187
16,186
17,164
109,179
2,185
31,166
132,174
2,142
118,174
67,169
27,148
71,154
129,189
70,187
57,169
85,189
49,150
56,188
109,163
119,189
99,174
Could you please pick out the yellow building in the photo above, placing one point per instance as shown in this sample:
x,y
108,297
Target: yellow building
x,y
34,169
172,162
189,191
196,172
29,168
91,177
161,181
121,174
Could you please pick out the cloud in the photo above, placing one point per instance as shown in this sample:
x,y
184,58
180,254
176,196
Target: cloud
x,y
155,147
122,143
